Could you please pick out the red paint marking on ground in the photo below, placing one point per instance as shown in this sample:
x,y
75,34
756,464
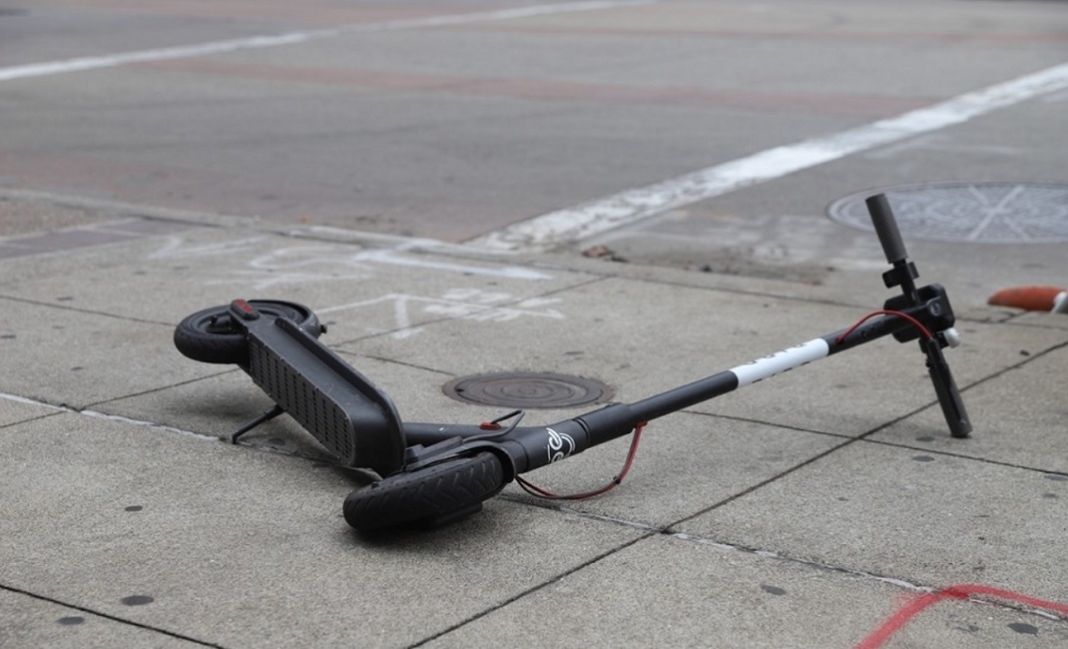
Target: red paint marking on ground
x,y
903,616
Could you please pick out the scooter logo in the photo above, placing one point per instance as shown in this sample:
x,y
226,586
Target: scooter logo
x,y
560,445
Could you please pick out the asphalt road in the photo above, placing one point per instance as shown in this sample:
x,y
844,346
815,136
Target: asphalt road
x,y
387,118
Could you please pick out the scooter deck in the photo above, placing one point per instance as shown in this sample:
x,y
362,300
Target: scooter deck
x,y
348,415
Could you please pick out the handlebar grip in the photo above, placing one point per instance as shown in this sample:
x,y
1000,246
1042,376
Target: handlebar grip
x,y
882,217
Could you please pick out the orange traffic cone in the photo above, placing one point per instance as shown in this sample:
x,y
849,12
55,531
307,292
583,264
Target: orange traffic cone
x,y
1032,298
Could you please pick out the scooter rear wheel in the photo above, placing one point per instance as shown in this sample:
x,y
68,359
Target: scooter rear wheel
x,y
435,495
212,336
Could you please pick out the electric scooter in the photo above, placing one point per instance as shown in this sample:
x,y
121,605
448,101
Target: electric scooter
x,y
432,474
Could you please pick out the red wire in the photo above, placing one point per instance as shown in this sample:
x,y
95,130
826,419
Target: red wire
x,y
897,314
541,492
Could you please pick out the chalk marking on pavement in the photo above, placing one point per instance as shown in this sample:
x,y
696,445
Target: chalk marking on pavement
x,y
295,265
630,206
462,303
291,38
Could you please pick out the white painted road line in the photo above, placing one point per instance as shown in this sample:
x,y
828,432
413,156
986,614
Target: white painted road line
x,y
290,38
573,224
163,54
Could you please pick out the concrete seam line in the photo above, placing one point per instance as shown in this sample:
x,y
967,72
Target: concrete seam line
x,y
290,38
533,589
634,205
108,616
102,415
852,572
811,563
64,307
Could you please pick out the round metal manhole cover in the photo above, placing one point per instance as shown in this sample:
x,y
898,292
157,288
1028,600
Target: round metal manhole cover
x,y
972,212
527,390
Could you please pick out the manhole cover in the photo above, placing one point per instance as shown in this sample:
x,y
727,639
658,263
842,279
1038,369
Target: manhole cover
x,y
527,390
974,212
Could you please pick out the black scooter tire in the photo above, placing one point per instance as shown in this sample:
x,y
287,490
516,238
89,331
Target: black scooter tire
x,y
208,336
435,495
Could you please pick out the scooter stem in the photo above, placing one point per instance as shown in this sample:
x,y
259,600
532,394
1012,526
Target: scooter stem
x,y
903,274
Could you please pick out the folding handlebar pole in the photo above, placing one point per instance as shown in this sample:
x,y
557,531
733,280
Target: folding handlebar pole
x,y
903,274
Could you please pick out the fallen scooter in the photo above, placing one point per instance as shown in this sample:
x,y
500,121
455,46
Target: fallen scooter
x,y
432,473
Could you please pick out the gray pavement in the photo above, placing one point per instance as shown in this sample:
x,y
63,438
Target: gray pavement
x,y
115,485
826,508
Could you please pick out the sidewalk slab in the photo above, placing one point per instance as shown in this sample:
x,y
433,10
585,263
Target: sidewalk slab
x,y
645,337
927,519
358,290
248,549
29,622
668,592
63,356
1018,417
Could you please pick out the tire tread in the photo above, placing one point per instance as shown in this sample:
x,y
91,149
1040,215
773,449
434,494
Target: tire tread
x,y
435,492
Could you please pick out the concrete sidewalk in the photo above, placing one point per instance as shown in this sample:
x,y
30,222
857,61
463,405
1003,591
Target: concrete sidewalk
x,y
803,512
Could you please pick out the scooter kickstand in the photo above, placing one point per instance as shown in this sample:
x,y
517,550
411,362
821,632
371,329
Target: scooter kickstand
x,y
264,418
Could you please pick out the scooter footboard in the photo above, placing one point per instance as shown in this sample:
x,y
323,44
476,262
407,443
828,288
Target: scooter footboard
x,y
349,416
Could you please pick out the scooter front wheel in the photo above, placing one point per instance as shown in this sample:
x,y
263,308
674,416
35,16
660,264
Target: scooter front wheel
x,y
212,335
431,496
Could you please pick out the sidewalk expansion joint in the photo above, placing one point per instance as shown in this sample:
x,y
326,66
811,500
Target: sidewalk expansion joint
x,y
531,590
764,422
961,456
554,506
29,420
86,412
162,388
392,361
853,572
108,616
66,307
